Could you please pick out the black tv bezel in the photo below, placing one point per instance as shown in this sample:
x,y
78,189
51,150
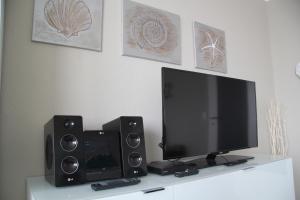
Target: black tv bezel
x,y
163,143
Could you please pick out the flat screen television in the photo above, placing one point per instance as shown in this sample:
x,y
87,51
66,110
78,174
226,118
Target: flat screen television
x,y
206,114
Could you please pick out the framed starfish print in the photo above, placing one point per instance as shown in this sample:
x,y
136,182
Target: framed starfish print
x,y
210,51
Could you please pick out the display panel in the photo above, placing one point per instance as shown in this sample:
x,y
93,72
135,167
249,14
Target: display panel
x,y
102,155
205,114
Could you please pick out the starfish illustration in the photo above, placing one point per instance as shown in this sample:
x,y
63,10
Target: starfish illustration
x,y
212,47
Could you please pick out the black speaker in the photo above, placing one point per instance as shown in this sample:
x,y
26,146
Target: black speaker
x,y
102,155
63,136
132,141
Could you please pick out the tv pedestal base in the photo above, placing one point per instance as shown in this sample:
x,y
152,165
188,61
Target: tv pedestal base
x,y
219,160
170,167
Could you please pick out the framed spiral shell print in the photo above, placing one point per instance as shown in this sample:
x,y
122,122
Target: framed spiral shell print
x,y
76,23
210,48
151,33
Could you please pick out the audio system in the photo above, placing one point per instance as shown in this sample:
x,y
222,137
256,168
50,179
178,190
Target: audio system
x,y
74,156
133,151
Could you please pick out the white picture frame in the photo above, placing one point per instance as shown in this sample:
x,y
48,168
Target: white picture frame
x,y
151,33
74,23
210,48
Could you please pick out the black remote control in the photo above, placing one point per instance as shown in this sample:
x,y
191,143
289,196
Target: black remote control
x,y
104,185
187,172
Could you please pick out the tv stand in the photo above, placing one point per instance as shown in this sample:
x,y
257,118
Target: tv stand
x,y
216,160
170,167
237,162
213,156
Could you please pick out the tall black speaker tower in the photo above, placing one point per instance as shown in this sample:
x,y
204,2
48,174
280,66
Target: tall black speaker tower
x,y
63,136
132,141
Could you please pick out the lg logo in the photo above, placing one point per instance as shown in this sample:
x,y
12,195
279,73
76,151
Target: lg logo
x,y
70,179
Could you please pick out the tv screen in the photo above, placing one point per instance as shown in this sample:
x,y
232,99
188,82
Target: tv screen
x,y
204,114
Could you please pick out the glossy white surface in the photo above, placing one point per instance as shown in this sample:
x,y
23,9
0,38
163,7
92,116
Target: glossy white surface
x,y
271,181
264,178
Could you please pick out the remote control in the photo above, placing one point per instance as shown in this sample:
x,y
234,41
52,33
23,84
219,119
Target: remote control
x,y
187,172
104,185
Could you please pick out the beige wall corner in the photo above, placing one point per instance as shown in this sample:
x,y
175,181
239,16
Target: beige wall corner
x,y
285,50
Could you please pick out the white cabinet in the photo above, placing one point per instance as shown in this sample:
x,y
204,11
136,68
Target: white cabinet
x,y
270,181
149,194
130,196
264,178
211,188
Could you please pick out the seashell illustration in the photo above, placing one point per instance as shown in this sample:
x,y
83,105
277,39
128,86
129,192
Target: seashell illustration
x,y
153,31
68,17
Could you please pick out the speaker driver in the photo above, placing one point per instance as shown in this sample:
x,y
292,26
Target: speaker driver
x,y
69,124
135,159
68,143
133,140
69,165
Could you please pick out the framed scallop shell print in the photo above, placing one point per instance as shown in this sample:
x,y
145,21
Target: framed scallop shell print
x,y
210,48
76,23
151,33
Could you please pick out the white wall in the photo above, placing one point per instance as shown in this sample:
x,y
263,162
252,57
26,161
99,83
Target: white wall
x,y
40,80
285,39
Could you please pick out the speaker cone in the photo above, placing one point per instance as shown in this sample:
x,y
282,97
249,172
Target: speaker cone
x,y
135,159
68,143
69,165
133,140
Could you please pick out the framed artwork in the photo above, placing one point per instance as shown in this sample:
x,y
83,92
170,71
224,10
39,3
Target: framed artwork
x,y
210,48
75,23
151,33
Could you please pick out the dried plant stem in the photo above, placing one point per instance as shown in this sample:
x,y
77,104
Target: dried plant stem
x,y
277,129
